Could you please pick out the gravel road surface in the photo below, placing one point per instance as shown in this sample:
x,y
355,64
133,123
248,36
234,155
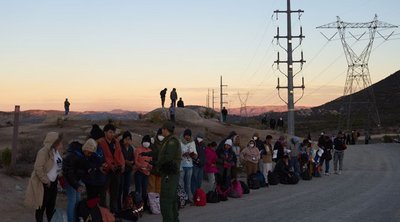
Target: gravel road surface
x,y
367,190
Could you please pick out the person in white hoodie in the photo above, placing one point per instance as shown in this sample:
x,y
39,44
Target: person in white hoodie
x,y
189,153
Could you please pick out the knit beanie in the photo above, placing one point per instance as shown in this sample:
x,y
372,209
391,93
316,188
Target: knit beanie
x,y
187,132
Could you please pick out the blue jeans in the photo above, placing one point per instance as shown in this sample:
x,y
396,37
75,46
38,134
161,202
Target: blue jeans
x,y
294,162
185,180
141,182
326,164
124,187
197,178
73,198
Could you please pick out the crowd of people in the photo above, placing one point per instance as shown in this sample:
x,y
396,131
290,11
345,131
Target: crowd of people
x,y
106,167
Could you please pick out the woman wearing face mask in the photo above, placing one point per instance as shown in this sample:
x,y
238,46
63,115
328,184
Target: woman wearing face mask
x,y
250,157
143,166
154,185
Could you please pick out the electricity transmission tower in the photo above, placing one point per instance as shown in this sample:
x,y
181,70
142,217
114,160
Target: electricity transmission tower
x,y
358,76
243,103
289,62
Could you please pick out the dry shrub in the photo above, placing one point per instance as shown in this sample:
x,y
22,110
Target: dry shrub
x,y
27,150
21,170
5,157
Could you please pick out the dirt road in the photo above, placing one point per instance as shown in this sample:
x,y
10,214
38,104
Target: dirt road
x,y
367,190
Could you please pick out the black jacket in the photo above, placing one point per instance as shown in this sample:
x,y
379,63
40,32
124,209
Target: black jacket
x,y
71,165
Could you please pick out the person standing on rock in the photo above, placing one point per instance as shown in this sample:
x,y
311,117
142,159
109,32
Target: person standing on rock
x,y
66,106
172,113
180,103
339,148
41,192
224,113
169,160
173,96
162,95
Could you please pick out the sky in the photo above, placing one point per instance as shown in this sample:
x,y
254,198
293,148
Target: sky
x,y
106,55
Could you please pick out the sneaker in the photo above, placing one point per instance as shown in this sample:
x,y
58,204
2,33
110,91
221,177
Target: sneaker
x,y
340,172
326,174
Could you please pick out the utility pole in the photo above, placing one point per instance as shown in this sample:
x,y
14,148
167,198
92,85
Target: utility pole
x,y
222,94
213,100
290,87
208,98
14,151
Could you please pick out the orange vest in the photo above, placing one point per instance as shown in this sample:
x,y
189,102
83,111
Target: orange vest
x,y
117,159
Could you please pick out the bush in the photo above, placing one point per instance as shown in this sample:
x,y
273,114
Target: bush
x,y
27,150
209,114
6,157
21,170
387,139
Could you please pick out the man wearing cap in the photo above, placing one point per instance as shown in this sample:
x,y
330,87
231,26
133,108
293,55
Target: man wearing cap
x,y
169,160
339,147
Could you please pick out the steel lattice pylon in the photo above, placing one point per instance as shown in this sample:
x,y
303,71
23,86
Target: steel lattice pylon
x,y
358,75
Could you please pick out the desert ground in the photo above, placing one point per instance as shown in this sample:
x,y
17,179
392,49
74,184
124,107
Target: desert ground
x,y
366,191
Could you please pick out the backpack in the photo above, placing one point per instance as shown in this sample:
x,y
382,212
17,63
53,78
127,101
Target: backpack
x,y
273,178
236,190
261,179
88,210
154,202
59,216
245,188
212,197
181,196
200,198
293,179
223,193
253,182
134,207
305,173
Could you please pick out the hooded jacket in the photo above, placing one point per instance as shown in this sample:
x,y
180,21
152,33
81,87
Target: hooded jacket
x,y
43,164
250,154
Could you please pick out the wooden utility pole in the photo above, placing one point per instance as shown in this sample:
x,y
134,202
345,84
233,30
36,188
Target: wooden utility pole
x,y
14,151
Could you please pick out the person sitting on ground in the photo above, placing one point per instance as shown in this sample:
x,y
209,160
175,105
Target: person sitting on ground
x,y
250,157
180,103
284,173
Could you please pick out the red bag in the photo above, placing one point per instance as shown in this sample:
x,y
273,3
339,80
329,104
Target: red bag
x,y
200,198
237,190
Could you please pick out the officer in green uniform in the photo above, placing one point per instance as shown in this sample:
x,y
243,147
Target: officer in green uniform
x,y
169,160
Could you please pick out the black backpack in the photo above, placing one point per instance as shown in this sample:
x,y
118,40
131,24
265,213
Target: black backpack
x,y
273,178
212,197
85,213
253,182
261,179
245,188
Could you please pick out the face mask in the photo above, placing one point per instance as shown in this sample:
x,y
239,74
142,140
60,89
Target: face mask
x,y
251,145
199,140
146,144
160,137
152,140
255,138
